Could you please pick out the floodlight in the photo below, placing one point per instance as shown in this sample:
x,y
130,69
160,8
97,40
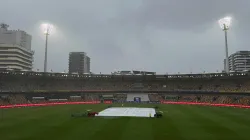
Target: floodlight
x,y
47,28
225,23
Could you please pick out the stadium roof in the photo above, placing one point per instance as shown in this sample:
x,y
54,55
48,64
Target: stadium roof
x,y
174,76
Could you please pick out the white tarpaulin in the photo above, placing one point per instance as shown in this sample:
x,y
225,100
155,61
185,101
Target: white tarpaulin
x,y
127,112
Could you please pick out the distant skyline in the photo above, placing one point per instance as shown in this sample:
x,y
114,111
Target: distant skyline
x,y
163,36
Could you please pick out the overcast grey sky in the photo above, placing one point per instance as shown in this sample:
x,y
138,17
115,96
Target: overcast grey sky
x,y
154,35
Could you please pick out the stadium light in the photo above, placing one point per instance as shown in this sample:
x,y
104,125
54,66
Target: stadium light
x,y
225,24
47,29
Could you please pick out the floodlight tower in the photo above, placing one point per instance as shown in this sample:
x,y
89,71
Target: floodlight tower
x,y
47,28
225,24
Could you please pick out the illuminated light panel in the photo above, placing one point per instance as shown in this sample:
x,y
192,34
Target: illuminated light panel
x,y
225,23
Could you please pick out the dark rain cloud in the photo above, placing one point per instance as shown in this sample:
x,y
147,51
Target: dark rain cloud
x,y
162,35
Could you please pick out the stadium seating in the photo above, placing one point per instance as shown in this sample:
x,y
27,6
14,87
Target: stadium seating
x,y
120,97
154,97
16,82
19,83
217,99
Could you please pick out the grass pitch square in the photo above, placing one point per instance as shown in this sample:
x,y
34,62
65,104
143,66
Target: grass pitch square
x,y
179,122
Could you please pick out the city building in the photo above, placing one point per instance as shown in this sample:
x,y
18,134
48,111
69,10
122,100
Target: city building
x,y
239,61
15,49
79,63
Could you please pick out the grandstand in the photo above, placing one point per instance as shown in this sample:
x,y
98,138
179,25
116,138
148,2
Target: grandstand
x,y
38,82
35,87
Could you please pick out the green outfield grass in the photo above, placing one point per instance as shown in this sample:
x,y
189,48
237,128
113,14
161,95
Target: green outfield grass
x,y
180,122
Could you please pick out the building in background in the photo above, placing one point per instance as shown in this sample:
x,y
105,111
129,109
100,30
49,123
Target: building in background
x,y
87,68
15,49
239,61
79,63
